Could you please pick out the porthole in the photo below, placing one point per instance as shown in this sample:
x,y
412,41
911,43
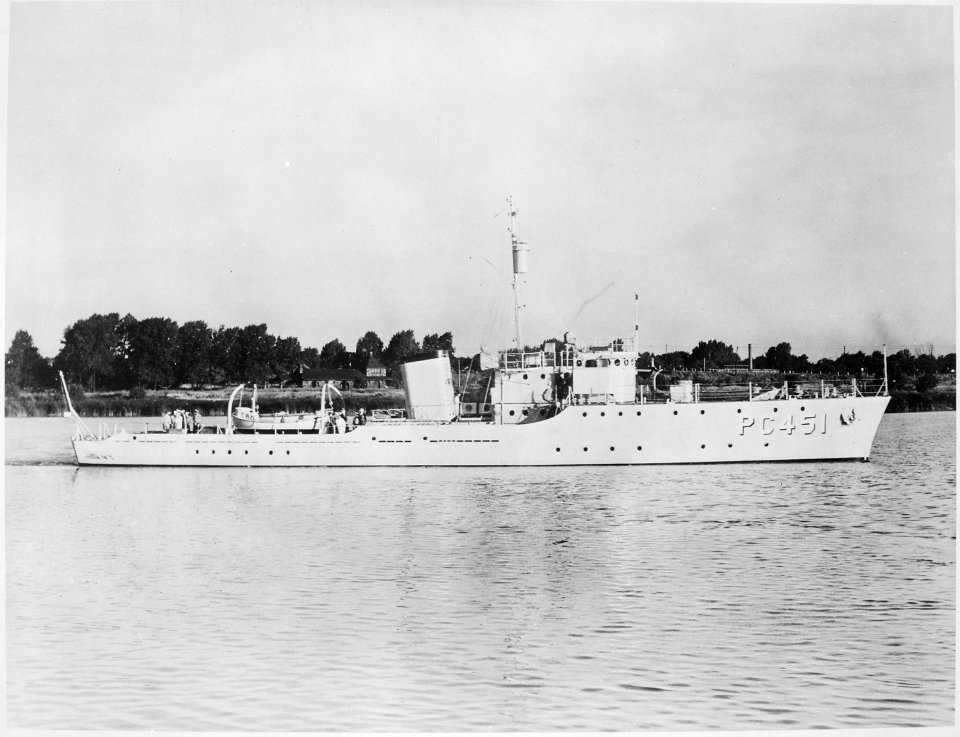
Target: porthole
x,y
703,412
739,411
584,414
246,452
558,450
229,452
197,452
543,376
524,377
774,409
611,448
729,445
703,447
584,449
639,447
638,413
373,438
603,414
271,452
801,409
616,362
512,413
424,437
765,445
579,362
134,437
288,452
620,414
674,411
213,452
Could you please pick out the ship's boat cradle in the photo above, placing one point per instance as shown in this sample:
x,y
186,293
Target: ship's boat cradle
x,y
597,434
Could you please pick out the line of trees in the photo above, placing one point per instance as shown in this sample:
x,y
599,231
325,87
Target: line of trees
x,y
924,366
113,352
714,354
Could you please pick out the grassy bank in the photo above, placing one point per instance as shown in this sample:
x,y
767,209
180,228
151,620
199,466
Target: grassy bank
x,y
933,400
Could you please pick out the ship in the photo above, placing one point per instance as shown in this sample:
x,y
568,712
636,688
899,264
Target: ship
x,y
567,403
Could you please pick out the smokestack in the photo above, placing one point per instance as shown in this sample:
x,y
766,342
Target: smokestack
x,y
750,354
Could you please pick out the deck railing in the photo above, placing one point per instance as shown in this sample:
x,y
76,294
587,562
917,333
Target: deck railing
x,y
811,388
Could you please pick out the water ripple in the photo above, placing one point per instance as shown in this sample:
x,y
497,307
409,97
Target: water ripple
x,y
742,597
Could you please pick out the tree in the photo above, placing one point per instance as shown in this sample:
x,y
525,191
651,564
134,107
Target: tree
x,y
828,366
254,354
125,331
926,382
310,357
779,357
286,359
902,362
947,364
193,352
370,345
332,354
401,347
852,363
713,354
152,352
24,367
223,355
444,342
89,350
926,363
674,360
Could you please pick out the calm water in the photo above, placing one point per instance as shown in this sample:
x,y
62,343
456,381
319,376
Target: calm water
x,y
735,597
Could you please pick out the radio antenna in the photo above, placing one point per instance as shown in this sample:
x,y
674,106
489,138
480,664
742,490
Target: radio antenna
x,y
520,252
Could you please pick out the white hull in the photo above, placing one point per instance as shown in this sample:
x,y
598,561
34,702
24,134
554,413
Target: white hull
x,y
611,434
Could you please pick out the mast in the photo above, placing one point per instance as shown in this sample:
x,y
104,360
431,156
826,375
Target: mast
x,y
886,386
520,251
636,322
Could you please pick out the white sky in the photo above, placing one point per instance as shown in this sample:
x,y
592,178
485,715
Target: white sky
x,y
757,172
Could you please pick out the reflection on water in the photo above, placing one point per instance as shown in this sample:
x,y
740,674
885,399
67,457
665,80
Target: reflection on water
x,y
746,596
